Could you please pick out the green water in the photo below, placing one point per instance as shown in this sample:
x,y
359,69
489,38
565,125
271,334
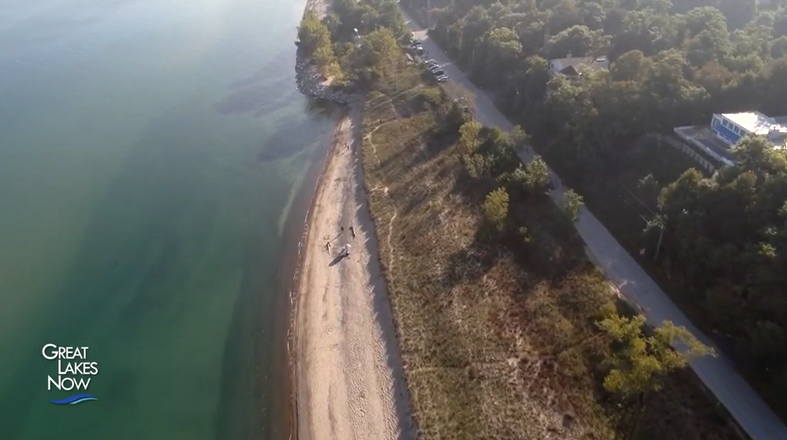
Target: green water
x,y
149,151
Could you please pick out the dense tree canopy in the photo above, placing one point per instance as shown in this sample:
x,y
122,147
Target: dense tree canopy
x,y
672,63
333,43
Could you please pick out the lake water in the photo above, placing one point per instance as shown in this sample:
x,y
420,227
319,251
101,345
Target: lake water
x,y
149,153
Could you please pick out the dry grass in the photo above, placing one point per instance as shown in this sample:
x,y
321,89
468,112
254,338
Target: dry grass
x,y
493,349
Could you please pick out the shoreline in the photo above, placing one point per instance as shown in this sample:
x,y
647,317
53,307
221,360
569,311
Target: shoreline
x,y
295,282
347,375
295,235
306,82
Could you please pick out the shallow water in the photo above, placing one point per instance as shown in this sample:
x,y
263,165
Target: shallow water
x,y
149,152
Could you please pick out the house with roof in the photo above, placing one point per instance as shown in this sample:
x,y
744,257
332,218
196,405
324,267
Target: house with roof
x,y
711,146
573,66
732,127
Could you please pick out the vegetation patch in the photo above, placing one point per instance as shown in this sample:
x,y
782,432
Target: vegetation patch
x,y
498,312
717,245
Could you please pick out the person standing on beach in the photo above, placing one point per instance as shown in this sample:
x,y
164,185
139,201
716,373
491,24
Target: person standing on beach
x,y
352,231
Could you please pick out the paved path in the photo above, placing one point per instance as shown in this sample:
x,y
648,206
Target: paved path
x,y
718,374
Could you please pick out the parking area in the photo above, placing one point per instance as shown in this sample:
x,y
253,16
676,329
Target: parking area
x,y
434,67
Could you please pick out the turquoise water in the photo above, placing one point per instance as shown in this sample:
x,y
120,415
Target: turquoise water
x,y
149,151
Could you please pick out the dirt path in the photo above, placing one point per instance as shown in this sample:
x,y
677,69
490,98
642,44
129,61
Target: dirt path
x,y
348,373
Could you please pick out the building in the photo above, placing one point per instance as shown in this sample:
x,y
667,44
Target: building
x,y
572,67
711,146
732,127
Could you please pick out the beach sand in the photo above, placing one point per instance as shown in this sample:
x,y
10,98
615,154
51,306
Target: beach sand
x,y
348,373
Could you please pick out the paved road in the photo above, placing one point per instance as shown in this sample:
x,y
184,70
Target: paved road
x,y
718,374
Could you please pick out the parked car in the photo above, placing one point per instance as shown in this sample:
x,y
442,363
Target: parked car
x,y
442,78
438,72
433,68
431,63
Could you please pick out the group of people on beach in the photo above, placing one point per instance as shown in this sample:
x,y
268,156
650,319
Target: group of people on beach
x,y
328,243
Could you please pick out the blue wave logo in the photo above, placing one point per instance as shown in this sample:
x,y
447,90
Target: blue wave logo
x,y
75,399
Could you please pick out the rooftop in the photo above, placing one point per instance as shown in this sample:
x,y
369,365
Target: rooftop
x,y
570,64
761,125
756,122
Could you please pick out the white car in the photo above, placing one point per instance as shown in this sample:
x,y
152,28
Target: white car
x,y
442,78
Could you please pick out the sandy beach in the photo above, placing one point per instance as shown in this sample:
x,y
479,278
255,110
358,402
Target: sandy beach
x,y
348,374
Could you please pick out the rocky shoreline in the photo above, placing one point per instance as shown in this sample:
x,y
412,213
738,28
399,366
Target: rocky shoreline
x,y
311,83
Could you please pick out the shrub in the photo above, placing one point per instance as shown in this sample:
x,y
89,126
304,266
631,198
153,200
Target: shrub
x,y
571,204
496,209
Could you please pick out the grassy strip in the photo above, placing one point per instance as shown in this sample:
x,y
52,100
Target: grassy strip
x,y
494,348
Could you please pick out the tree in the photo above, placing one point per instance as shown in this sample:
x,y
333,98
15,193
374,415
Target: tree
x,y
455,117
643,359
476,165
648,188
469,137
502,48
374,58
571,204
577,41
527,181
537,177
630,66
495,209
313,34
767,344
518,138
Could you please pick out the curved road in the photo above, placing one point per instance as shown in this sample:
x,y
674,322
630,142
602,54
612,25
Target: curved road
x,y
718,374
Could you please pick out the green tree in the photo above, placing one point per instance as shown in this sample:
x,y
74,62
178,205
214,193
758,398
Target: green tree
x,y
313,34
578,41
630,66
495,209
476,165
572,202
642,359
537,176
469,137
375,58
518,138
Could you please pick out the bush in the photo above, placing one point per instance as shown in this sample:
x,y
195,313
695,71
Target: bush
x,y
476,165
496,209
571,204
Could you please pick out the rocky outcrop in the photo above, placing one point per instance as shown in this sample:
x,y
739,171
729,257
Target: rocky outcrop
x,y
311,83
